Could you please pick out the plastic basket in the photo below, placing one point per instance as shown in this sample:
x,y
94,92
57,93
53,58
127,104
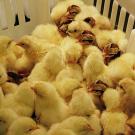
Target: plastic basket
x,y
39,12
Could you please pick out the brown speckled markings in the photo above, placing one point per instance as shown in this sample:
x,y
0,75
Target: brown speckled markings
x,y
110,52
87,38
91,21
66,19
98,88
74,10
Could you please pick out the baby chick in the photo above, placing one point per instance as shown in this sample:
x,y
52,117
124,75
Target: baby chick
x,y
93,67
94,121
75,124
113,122
49,67
127,102
7,117
56,130
35,48
39,131
102,22
75,28
72,49
111,98
79,125
47,97
129,58
61,8
23,126
119,69
54,61
49,32
90,49
71,71
39,73
84,108
91,12
3,75
115,36
24,64
19,101
9,88
66,86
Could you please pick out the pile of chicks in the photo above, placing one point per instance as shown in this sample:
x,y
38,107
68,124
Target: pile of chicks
x,y
72,77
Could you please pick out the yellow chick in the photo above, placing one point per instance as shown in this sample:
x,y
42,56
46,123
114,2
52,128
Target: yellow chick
x,y
91,12
39,73
102,22
76,124
79,125
49,67
113,123
24,64
47,97
93,67
66,86
3,75
54,61
35,48
95,123
72,49
61,8
7,117
119,69
90,49
111,98
9,88
62,132
84,108
56,130
23,126
75,28
49,32
19,101
71,71
127,101
41,130
129,58
115,36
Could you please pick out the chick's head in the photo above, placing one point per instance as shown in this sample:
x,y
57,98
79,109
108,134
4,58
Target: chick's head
x,y
54,61
7,117
45,91
72,49
22,126
48,32
85,108
25,91
79,125
111,98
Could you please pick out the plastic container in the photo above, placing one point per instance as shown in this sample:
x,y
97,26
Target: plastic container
x,y
39,12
